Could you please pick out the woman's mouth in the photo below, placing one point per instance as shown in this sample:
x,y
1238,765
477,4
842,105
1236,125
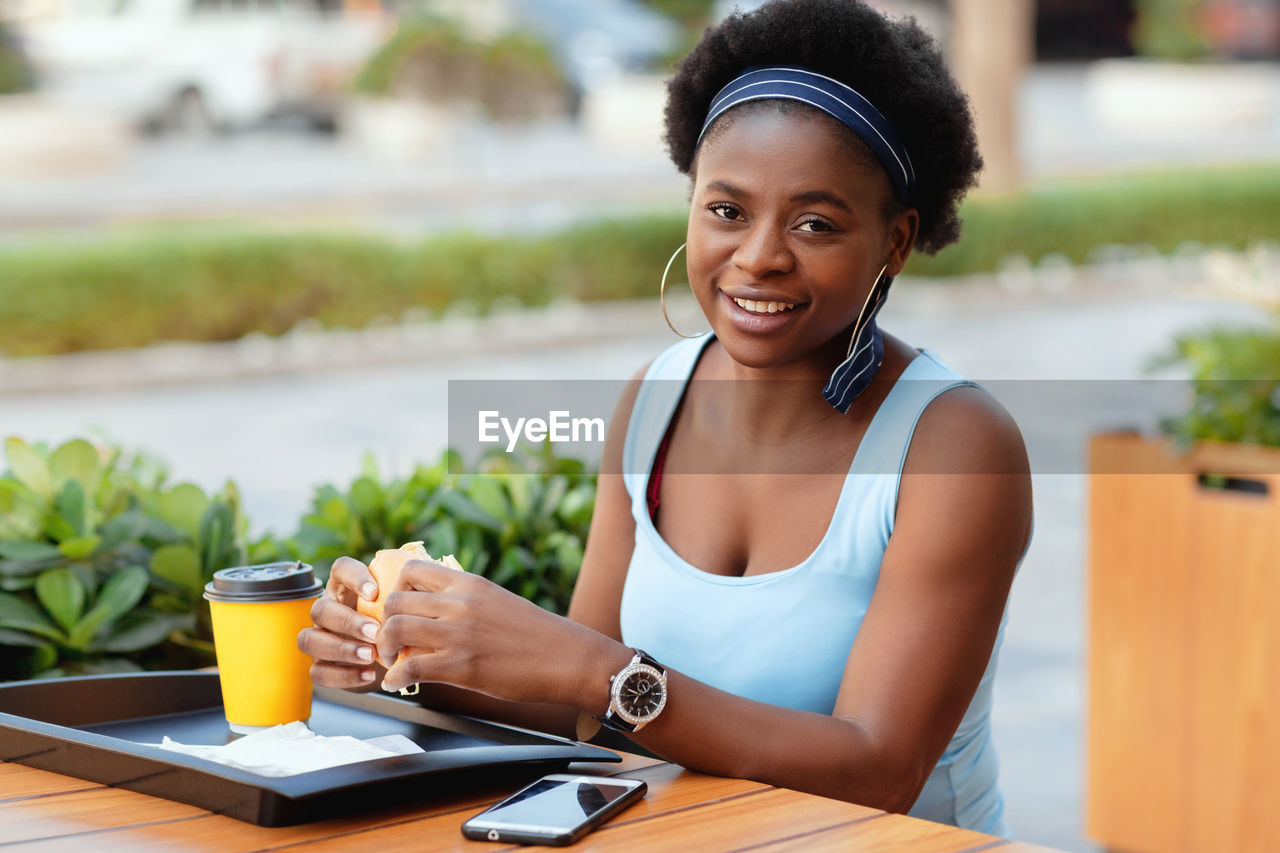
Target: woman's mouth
x,y
761,316
762,307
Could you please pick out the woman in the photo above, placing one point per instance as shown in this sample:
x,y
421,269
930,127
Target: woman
x,y
821,614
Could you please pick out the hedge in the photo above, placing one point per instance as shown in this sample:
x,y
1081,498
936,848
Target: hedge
x,y
133,289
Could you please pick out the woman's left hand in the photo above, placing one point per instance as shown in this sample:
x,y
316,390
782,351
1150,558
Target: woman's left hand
x,y
484,638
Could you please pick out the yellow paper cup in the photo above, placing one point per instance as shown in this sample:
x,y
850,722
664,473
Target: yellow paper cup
x,y
257,613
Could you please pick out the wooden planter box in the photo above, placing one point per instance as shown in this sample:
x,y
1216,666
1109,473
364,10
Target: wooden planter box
x,y
1184,648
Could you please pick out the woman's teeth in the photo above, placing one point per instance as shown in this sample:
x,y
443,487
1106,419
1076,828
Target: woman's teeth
x,y
764,307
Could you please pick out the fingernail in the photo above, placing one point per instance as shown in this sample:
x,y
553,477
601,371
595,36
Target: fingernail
x,y
369,591
369,629
365,653
386,688
366,675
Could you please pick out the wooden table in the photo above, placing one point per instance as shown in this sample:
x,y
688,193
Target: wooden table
x,y
43,811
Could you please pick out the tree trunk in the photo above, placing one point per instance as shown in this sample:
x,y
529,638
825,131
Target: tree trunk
x,y
992,43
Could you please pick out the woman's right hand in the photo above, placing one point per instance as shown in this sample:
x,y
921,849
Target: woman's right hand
x,y
341,641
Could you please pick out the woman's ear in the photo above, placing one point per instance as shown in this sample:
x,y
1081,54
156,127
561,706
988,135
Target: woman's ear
x,y
902,237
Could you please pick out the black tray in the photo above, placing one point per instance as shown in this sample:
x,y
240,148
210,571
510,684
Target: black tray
x,y
98,728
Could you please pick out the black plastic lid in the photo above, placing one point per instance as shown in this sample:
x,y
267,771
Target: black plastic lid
x,y
269,582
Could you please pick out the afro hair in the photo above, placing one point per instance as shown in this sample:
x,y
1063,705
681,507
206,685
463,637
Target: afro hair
x,y
893,63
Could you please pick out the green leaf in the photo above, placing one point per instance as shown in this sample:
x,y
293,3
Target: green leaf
x,y
489,495
118,595
217,538
141,629
180,566
312,537
569,556
20,638
21,511
524,493
42,659
366,497
134,526
76,460
557,488
334,514
28,467
58,528
21,615
29,552
577,505
184,507
463,508
17,584
443,539
62,594
71,506
79,548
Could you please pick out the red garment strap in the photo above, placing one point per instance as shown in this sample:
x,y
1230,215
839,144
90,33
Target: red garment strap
x,y
655,479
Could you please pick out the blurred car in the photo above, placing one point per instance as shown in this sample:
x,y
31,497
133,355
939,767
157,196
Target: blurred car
x,y
197,65
597,40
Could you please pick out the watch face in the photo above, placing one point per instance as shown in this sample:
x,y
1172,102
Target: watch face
x,y
641,692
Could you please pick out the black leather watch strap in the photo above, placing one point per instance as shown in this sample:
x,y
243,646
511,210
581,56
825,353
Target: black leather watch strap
x,y
645,659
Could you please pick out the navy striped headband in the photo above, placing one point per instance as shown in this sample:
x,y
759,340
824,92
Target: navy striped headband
x,y
841,102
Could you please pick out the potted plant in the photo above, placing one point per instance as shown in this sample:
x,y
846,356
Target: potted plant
x,y
1184,600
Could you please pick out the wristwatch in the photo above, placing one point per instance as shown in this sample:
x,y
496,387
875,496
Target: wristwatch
x,y
637,695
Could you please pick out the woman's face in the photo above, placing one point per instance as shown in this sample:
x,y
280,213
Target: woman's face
x,y
784,214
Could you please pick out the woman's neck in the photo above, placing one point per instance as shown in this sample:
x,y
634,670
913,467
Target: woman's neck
x,y
774,406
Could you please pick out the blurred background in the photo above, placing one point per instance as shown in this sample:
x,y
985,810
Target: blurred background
x,y
244,242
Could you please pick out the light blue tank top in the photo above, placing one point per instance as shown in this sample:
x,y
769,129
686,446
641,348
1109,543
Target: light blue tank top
x,y
784,637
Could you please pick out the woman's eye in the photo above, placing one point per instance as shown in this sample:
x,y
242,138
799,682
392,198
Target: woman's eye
x,y
816,225
726,211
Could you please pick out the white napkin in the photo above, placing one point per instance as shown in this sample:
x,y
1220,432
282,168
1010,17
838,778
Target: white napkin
x,y
293,748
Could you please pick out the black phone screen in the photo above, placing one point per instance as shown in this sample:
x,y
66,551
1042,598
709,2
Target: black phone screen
x,y
556,806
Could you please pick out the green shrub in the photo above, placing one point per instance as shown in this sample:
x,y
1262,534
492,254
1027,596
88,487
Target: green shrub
x,y
102,564
520,520
1235,383
1234,207
220,285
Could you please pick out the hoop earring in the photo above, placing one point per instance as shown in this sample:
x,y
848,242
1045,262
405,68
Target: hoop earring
x,y
858,324
662,295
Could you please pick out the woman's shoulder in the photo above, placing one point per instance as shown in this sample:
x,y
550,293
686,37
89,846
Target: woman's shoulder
x,y
964,429
961,426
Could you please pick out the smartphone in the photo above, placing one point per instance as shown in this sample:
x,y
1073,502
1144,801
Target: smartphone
x,y
557,809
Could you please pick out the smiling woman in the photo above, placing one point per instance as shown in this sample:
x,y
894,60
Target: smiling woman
x,y
807,561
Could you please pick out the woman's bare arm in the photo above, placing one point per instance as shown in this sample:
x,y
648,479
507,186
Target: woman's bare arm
x,y
962,521
596,594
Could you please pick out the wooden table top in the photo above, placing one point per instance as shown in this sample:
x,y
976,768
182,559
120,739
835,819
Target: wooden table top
x,y
44,811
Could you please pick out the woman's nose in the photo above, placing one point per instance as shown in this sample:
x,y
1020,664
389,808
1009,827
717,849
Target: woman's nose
x,y
763,252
